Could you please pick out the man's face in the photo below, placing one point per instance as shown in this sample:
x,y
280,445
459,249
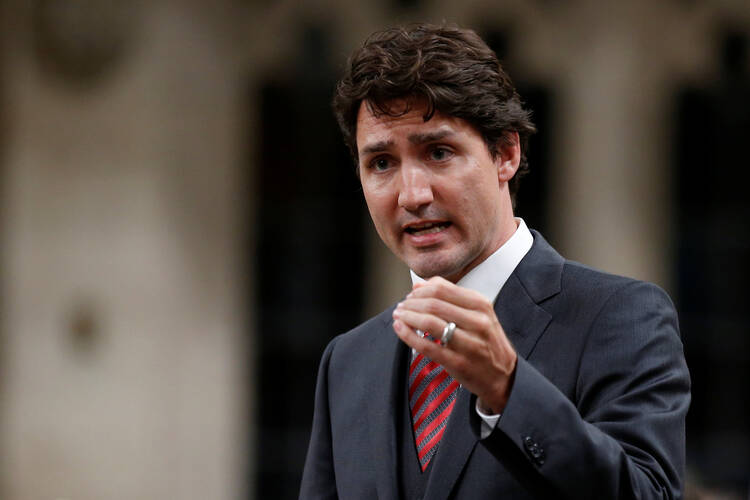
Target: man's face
x,y
437,197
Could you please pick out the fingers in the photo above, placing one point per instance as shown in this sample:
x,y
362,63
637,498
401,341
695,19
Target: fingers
x,y
440,288
426,347
462,357
420,321
445,311
479,355
443,301
435,326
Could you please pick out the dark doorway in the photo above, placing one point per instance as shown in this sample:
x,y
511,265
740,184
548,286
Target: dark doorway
x,y
713,267
310,246
533,195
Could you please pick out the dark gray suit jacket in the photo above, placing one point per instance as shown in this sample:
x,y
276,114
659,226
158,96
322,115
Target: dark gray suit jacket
x,y
597,408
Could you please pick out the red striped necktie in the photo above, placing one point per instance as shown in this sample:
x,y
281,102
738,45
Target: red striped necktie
x,y
432,395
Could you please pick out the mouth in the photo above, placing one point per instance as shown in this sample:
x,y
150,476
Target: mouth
x,y
424,228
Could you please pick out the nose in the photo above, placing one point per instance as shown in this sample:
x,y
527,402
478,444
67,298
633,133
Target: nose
x,y
416,188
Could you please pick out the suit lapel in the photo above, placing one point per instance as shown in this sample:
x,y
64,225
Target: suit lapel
x,y
383,406
522,319
536,278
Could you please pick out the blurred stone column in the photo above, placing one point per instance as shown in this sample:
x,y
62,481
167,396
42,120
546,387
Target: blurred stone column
x,y
122,267
610,199
610,184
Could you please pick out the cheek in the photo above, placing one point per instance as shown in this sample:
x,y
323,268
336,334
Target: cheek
x,y
379,195
478,211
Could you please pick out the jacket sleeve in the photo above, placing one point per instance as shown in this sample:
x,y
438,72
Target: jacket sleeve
x,y
623,434
318,477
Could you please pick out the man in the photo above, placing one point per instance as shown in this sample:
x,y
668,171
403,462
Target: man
x,y
507,372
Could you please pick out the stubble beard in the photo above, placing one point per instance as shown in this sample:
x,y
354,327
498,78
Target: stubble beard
x,y
450,267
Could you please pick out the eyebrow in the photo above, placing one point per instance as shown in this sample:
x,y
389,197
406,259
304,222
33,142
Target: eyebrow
x,y
377,147
380,146
430,136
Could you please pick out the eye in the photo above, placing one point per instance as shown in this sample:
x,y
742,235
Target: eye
x,y
380,163
440,153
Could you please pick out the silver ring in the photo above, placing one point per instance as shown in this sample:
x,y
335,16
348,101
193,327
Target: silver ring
x,y
448,331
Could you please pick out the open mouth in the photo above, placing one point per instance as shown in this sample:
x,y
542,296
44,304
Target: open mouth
x,y
427,228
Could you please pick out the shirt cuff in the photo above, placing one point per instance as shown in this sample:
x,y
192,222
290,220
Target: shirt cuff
x,y
489,422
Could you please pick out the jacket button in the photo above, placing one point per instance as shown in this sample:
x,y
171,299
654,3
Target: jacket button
x,y
533,449
528,442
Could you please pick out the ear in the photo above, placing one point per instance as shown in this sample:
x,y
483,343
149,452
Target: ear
x,y
508,156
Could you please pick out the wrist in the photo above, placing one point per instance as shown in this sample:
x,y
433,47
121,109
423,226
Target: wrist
x,y
494,403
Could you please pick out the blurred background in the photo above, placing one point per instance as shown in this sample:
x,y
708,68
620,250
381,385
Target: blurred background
x,y
182,232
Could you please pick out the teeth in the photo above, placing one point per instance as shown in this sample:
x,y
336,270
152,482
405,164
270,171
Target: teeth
x,y
431,228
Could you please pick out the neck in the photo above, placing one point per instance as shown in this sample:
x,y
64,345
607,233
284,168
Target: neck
x,y
508,227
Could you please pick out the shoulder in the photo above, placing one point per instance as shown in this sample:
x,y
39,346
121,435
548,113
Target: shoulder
x,y
610,291
360,357
582,279
627,323
614,309
363,338
546,274
364,329
617,328
592,304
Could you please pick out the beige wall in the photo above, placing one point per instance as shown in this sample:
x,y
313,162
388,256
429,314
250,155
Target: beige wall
x,y
121,202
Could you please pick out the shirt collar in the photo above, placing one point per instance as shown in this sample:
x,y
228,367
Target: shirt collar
x,y
491,274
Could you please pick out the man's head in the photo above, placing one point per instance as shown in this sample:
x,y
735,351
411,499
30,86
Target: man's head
x,y
451,68
438,134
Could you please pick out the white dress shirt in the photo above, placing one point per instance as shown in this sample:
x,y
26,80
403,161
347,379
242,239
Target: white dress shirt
x,y
488,279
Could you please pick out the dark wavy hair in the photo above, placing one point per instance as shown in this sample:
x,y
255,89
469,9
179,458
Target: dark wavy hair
x,y
452,68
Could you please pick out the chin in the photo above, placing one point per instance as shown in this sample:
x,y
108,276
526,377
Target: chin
x,y
428,270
